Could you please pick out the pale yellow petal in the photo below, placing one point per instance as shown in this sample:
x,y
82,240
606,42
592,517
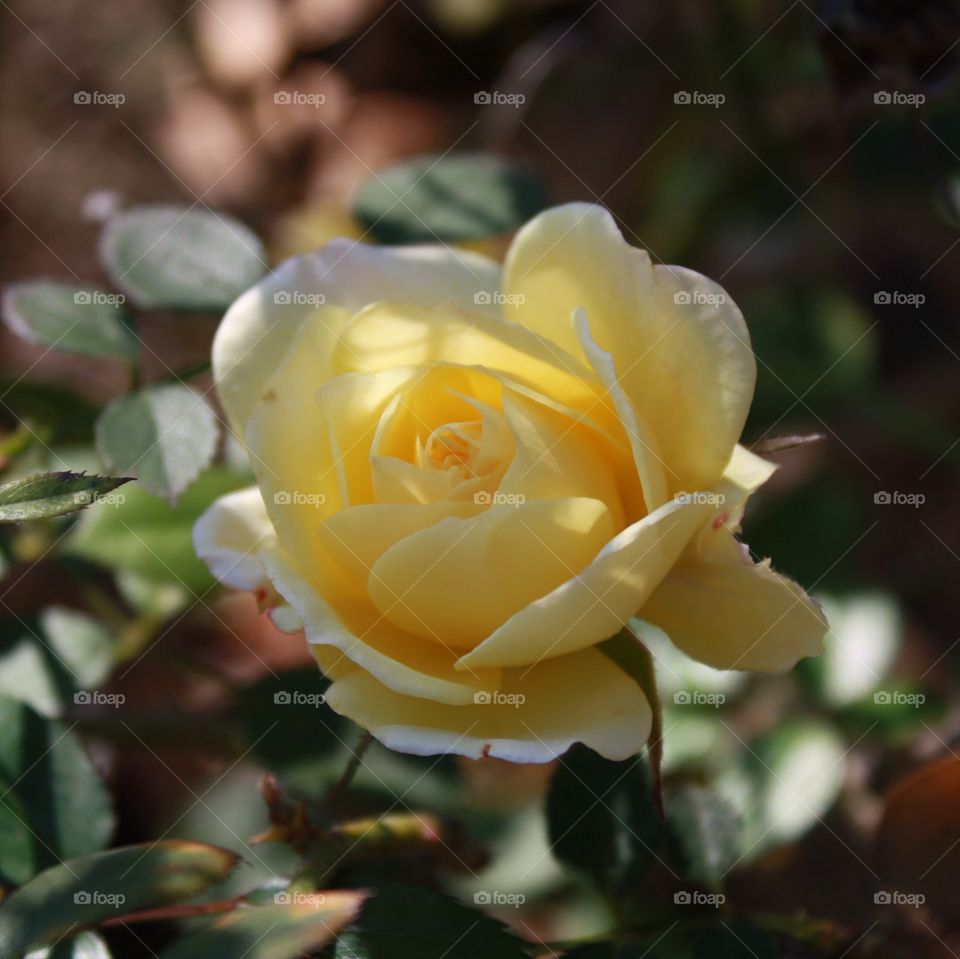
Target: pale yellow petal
x,y
597,602
731,613
229,535
327,287
402,662
457,581
535,717
678,342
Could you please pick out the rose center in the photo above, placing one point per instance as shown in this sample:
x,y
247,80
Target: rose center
x,y
453,446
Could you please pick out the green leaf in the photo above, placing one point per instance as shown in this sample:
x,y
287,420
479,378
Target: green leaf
x,y
178,258
167,435
88,945
84,892
632,656
706,833
405,922
287,721
54,784
45,663
62,317
601,816
465,196
785,783
43,495
17,846
147,536
272,931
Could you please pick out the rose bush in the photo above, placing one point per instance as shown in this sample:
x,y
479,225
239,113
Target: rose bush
x,y
469,476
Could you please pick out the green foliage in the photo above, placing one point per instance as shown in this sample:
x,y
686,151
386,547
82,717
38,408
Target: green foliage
x,y
601,817
147,536
166,434
83,892
401,922
449,199
705,831
88,945
63,317
44,495
51,788
48,661
181,258
269,931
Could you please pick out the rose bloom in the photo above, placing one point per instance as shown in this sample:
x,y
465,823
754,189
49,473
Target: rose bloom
x,y
470,475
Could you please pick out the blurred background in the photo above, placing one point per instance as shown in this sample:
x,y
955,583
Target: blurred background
x,y
805,155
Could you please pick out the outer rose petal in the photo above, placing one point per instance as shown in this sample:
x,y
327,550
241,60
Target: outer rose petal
x,y
229,535
720,607
685,361
583,697
257,330
727,612
592,605
401,662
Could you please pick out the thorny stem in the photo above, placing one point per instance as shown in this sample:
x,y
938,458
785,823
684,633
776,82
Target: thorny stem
x,y
343,783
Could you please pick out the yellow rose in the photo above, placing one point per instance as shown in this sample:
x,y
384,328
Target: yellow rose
x,y
469,476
